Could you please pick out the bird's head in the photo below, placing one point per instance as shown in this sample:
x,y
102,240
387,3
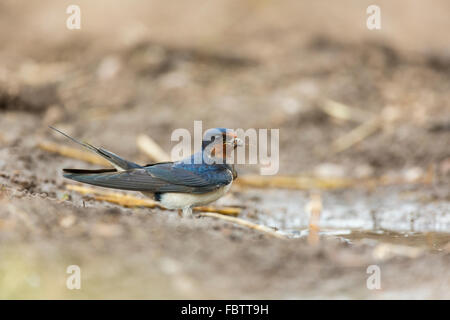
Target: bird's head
x,y
220,142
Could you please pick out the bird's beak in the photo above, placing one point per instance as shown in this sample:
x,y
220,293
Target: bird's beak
x,y
237,142
234,143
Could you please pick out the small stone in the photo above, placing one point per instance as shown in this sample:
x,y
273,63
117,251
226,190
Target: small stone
x,y
413,174
169,266
363,171
108,230
108,67
67,221
329,170
290,105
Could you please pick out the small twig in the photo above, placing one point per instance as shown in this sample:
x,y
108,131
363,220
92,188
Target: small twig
x,y
294,182
385,251
231,211
127,201
314,207
369,123
72,153
89,190
245,223
131,201
343,112
356,135
151,148
114,197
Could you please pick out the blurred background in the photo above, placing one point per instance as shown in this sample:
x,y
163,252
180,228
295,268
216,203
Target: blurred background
x,y
349,102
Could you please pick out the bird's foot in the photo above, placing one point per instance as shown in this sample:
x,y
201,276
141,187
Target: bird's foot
x,y
187,213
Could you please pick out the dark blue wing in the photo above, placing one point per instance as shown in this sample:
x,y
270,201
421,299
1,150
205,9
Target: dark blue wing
x,y
162,177
194,175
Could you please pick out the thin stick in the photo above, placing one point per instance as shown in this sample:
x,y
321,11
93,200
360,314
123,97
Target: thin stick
x,y
128,201
89,190
245,223
151,148
72,153
309,182
356,135
314,207
131,201
343,112
294,182
229,211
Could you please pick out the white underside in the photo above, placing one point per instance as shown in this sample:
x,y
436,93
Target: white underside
x,y
188,200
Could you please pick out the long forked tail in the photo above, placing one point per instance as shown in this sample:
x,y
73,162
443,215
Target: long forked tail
x,y
118,163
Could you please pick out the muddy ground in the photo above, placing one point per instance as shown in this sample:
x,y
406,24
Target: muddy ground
x,y
154,67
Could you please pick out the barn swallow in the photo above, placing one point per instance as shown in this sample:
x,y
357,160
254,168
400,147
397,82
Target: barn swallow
x,y
194,181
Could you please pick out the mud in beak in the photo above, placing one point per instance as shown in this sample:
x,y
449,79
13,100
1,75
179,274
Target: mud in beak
x,y
234,143
237,142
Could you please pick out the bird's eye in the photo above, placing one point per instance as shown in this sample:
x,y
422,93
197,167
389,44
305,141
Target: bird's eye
x,y
213,138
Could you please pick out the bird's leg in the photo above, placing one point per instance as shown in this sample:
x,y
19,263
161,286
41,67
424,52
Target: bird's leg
x,y
187,212
180,213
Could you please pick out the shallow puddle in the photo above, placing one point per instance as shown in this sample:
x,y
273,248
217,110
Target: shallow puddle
x,y
395,215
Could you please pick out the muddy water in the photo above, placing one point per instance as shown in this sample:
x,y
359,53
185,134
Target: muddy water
x,y
398,215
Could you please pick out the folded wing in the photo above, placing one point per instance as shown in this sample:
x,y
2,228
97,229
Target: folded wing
x,y
163,177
